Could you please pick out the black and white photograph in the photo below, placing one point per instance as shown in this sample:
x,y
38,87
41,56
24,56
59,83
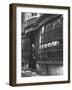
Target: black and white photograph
x,y
41,44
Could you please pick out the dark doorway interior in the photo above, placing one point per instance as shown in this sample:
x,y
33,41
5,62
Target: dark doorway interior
x,y
32,58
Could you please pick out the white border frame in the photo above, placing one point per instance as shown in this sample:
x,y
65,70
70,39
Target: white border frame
x,y
63,77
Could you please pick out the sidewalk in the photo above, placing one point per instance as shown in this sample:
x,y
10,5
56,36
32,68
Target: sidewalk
x,y
29,74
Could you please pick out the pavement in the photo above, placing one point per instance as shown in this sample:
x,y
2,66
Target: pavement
x,y
29,74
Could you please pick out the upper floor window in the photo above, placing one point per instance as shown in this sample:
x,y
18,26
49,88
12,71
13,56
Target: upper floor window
x,y
40,39
34,14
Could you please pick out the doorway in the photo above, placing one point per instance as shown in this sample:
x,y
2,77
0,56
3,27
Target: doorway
x,y
32,55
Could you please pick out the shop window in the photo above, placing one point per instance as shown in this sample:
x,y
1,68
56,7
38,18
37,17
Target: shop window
x,y
48,27
50,55
60,41
42,29
40,39
60,55
56,23
50,41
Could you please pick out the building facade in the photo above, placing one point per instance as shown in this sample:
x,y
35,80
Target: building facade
x,y
42,43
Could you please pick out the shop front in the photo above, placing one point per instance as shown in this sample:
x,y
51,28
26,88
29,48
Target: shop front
x,y
42,50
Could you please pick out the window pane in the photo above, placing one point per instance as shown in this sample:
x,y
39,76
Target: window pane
x,y
48,27
42,38
42,29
